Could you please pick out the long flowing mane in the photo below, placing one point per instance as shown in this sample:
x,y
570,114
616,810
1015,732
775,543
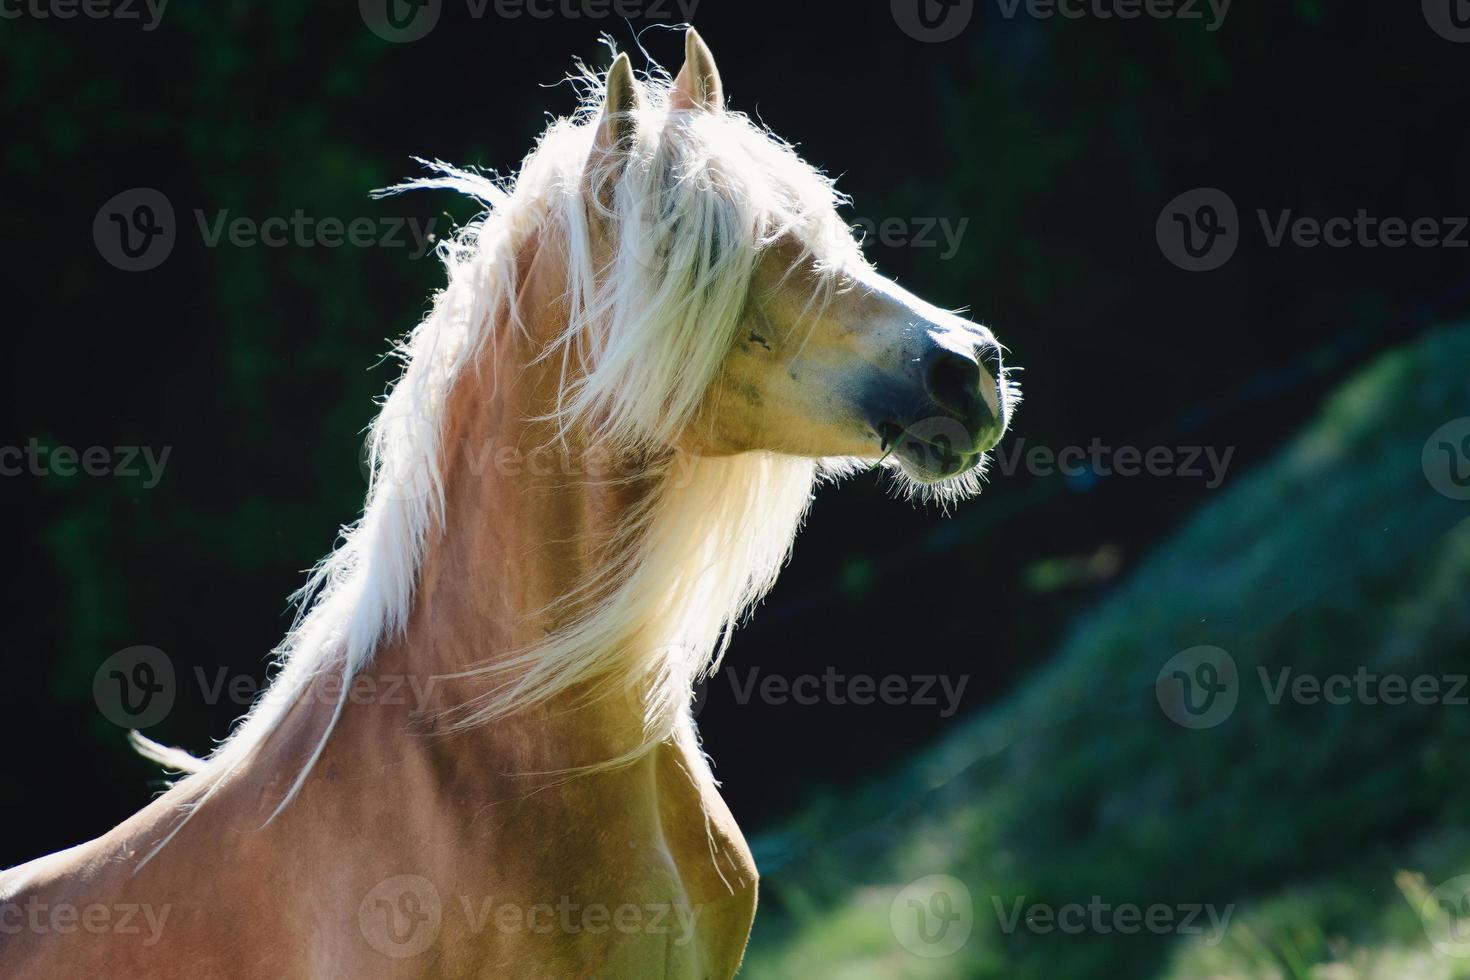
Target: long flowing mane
x,y
692,205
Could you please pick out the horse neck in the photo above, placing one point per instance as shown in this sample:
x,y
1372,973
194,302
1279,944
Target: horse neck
x,y
531,516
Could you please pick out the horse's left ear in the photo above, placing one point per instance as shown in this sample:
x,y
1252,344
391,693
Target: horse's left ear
x,y
619,123
698,85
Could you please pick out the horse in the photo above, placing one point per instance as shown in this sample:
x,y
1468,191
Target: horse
x,y
477,756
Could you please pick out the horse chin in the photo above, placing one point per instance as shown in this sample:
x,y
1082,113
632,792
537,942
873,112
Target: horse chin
x,y
918,480
920,469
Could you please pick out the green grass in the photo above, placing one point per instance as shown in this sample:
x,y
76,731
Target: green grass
x,y
1310,822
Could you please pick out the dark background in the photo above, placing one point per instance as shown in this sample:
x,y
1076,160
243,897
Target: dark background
x,y
1060,141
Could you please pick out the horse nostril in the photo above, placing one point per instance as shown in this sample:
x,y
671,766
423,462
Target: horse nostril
x,y
888,434
954,381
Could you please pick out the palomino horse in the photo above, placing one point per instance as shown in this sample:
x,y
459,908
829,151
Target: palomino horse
x,y
477,757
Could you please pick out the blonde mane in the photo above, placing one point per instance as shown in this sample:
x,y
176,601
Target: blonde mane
x,y
692,203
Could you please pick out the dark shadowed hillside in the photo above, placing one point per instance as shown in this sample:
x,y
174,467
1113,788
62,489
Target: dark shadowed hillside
x,y
1320,817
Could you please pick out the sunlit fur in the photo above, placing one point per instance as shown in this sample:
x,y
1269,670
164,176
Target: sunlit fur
x,y
691,207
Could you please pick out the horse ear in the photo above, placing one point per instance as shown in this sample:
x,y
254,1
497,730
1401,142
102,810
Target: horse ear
x,y
698,85
618,123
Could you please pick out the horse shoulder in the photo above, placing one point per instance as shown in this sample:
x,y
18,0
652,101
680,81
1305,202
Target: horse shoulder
x,y
716,868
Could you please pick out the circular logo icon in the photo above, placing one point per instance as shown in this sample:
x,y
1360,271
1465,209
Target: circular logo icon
x,y
1446,459
1199,687
1446,917
1450,19
933,21
938,443
405,465
1199,230
932,916
135,230
400,917
400,21
134,688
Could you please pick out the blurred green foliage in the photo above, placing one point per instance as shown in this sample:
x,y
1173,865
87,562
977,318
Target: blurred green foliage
x,y
1333,557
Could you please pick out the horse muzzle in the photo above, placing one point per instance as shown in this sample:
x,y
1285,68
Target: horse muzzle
x,y
960,414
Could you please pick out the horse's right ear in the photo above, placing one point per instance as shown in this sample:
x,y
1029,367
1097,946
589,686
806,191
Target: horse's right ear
x,y
616,128
698,85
